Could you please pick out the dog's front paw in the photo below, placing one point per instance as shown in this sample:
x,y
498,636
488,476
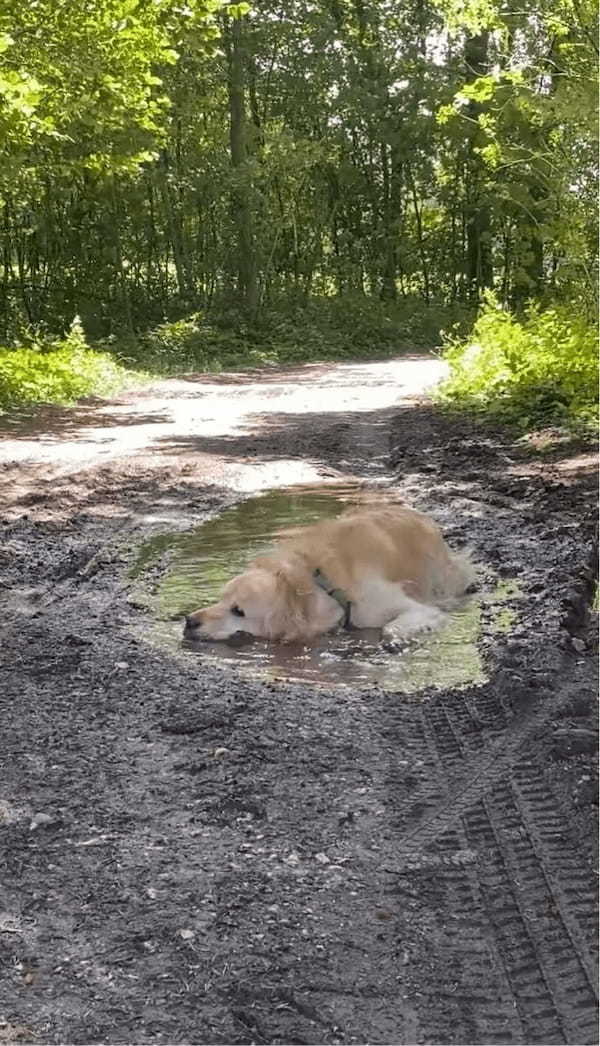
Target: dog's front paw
x,y
432,624
425,619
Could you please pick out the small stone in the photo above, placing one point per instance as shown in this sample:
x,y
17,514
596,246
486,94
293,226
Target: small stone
x,y
121,665
187,935
220,752
42,821
322,858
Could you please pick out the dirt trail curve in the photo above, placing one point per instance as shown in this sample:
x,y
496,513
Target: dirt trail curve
x,y
244,431
186,856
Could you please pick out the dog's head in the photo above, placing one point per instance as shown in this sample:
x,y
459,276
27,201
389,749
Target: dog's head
x,y
273,599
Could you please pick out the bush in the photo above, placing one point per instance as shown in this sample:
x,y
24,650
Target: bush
x,y
353,327
57,372
192,344
535,370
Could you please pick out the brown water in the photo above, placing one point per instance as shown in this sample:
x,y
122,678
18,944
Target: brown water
x,y
201,561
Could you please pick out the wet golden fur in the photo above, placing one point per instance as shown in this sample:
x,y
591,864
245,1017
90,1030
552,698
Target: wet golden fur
x,y
391,562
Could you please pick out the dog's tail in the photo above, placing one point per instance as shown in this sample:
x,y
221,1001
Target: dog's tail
x,y
464,574
458,577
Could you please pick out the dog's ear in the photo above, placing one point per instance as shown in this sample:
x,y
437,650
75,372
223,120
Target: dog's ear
x,y
295,574
289,619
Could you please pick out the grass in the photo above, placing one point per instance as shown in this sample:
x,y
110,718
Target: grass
x,y
532,371
61,371
536,370
354,327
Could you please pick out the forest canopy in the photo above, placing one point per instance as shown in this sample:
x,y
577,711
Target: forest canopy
x,y
198,163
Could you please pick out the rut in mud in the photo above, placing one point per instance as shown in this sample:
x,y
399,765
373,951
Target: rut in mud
x,y
193,856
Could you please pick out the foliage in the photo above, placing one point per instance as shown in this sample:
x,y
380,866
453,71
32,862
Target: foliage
x,y
58,372
534,370
353,327
424,149
208,185
80,84
64,370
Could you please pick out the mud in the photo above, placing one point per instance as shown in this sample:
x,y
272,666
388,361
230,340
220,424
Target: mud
x,y
193,856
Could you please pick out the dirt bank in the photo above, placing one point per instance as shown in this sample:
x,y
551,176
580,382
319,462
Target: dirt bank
x,y
189,857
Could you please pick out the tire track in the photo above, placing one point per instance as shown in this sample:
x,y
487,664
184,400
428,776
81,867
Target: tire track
x,y
537,808
553,991
520,901
484,993
471,759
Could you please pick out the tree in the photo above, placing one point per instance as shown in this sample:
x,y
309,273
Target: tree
x,y
159,158
241,185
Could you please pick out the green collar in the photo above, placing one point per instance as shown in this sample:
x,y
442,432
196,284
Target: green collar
x,y
336,593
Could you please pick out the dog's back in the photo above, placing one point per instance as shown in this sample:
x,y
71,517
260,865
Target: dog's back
x,y
391,541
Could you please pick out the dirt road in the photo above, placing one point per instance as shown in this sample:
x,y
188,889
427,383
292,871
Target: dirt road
x,y
246,431
187,856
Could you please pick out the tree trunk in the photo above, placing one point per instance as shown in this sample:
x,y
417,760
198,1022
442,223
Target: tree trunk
x,y
420,237
173,228
388,283
479,274
240,196
119,266
532,236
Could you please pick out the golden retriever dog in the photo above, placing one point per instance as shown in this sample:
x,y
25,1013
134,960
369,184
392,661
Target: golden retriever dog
x,y
368,567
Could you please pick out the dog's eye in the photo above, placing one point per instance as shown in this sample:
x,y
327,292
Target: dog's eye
x,y
238,613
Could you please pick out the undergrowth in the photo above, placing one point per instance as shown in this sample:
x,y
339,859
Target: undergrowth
x,y
535,370
60,371
354,327
325,329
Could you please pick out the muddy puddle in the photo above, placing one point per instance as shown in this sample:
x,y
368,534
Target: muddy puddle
x,y
198,563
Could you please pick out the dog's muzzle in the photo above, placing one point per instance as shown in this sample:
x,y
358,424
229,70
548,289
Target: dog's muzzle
x,y
193,625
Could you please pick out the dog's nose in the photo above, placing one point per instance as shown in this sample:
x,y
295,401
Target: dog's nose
x,y
191,623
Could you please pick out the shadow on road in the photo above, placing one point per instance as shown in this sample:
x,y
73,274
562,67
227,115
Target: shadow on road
x,y
342,439
53,424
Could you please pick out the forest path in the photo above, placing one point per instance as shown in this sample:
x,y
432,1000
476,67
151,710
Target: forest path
x,y
190,855
245,431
